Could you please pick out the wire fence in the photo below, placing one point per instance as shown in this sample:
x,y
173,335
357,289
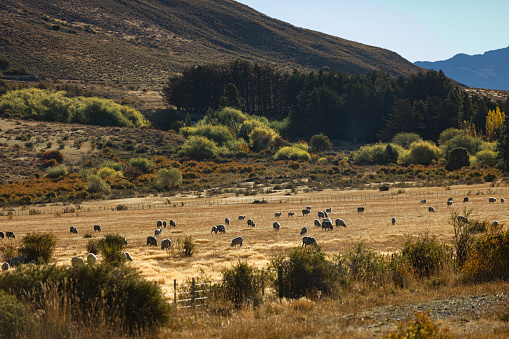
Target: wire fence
x,y
303,199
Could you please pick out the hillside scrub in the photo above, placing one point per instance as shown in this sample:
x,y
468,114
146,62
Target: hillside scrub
x,y
56,106
421,153
292,153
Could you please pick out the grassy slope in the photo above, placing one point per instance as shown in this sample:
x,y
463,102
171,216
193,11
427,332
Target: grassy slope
x,y
144,41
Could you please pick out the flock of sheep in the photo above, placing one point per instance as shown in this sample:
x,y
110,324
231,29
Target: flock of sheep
x,y
324,222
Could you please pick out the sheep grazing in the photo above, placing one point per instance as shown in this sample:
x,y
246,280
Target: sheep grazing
x,y
165,244
423,201
236,241
431,209
328,210
91,258
308,208
128,257
449,203
250,223
242,217
465,199
304,231
157,232
159,223
305,212
492,200
308,241
462,219
276,226
76,261
278,214
5,266
393,221
2,235
10,234
227,221
173,223
73,230
495,223
340,222
97,228
17,260
290,214
214,230
221,228
152,241
165,224
449,199
360,209
321,214
327,224
318,223
502,200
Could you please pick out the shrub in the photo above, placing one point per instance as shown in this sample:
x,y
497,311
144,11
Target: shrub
x,y
15,317
405,139
304,271
96,185
363,264
422,153
463,237
426,255
261,138
457,158
111,249
107,172
55,172
376,154
142,164
55,154
168,177
95,293
292,153
471,144
485,158
8,249
38,247
188,246
243,284
198,148
92,245
449,134
489,256
421,326
320,143
218,133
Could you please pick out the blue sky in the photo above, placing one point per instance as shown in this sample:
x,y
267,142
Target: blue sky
x,y
417,30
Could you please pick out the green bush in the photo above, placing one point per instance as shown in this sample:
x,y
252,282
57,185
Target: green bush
x,y
319,143
142,164
15,317
261,138
38,247
471,144
168,177
422,153
188,246
485,158
405,139
111,247
376,154
58,171
426,255
449,134
292,153
8,249
95,292
304,272
217,133
242,284
198,147
363,264
97,185
93,245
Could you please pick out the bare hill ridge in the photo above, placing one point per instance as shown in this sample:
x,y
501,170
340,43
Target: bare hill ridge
x,y
142,42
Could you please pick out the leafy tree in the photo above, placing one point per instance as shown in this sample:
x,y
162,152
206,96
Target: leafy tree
x,y
168,177
423,153
391,154
405,139
97,185
231,97
494,120
457,158
199,147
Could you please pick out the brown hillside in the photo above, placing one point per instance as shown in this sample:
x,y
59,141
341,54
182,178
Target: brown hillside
x,y
142,42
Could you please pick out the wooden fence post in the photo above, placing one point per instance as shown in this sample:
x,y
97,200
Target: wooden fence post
x,y
175,293
280,281
194,294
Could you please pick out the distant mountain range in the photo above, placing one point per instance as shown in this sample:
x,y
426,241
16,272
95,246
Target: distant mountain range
x,y
489,70
132,42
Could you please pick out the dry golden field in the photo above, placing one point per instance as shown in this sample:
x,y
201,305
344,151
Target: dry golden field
x,y
213,252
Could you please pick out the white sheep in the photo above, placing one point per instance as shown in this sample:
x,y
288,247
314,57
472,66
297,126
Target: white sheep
x,y
157,232
308,241
5,266
91,258
304,231
236,241
75,261
165,244
276,225
278,214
